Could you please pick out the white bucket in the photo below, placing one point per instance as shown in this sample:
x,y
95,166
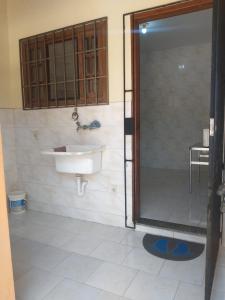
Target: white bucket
x,y
17,202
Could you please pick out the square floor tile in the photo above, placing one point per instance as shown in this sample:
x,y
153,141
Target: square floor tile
x,y
219,279
221,257
109,233
57,237
82,245
142,260
46,235
149,287
191,271
134,238
76,226
111,252
217,295
71,290
35,284
110,296
24,250
19,269
41,218
190,292
49,257
78,267
112,278
31,253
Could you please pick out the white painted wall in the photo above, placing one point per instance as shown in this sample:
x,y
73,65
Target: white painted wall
x,y
4,57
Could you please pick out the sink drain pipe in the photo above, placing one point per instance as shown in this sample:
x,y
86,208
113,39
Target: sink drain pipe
x,y
81,185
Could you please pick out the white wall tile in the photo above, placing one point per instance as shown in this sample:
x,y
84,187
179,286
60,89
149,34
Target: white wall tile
x,y
9,150
53,192
161,103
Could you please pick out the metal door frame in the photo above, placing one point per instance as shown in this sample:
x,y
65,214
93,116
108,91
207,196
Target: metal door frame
x,y
130,122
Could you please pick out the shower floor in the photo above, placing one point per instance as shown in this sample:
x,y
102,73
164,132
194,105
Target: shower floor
x,y
165,196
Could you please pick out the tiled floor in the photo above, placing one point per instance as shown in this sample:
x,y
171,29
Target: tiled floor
x,y
57,258
165,196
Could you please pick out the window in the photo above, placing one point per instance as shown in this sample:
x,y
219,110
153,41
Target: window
x,y
65,67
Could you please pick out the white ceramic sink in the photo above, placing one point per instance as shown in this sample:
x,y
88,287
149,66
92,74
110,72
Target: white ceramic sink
x,y
77,159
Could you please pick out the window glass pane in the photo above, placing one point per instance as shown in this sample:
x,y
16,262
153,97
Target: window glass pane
x,y
79,38
34,97
101,34
101,68
60,68
25,74
41,73
79,64
32,49
90,64
52,95
41,48
33,74
24,51
68,47
68,41
60,92
90,36
26,94
102,90
43,96
91,91
59,47
69,64
50,65
70,93
80,96
49,45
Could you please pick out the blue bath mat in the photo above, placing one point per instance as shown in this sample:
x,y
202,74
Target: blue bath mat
x,y
172,249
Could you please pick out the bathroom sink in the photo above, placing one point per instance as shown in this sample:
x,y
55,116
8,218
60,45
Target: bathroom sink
x,y
77,159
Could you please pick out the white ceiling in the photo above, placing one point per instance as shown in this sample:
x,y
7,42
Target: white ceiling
x,y
178,31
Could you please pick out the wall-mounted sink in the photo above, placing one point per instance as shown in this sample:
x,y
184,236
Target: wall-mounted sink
x,y
77,159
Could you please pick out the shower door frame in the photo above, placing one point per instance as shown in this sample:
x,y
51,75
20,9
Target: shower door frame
x,y
156,13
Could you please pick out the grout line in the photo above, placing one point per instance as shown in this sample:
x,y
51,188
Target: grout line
x,y
69,256
101,242
176,292
52,289
129,252
129,285
106,291
162,266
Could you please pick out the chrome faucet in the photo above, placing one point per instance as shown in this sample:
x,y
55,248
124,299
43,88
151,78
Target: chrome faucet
x,y
93,125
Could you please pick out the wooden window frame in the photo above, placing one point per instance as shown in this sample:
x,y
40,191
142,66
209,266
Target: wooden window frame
x,y
55,73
